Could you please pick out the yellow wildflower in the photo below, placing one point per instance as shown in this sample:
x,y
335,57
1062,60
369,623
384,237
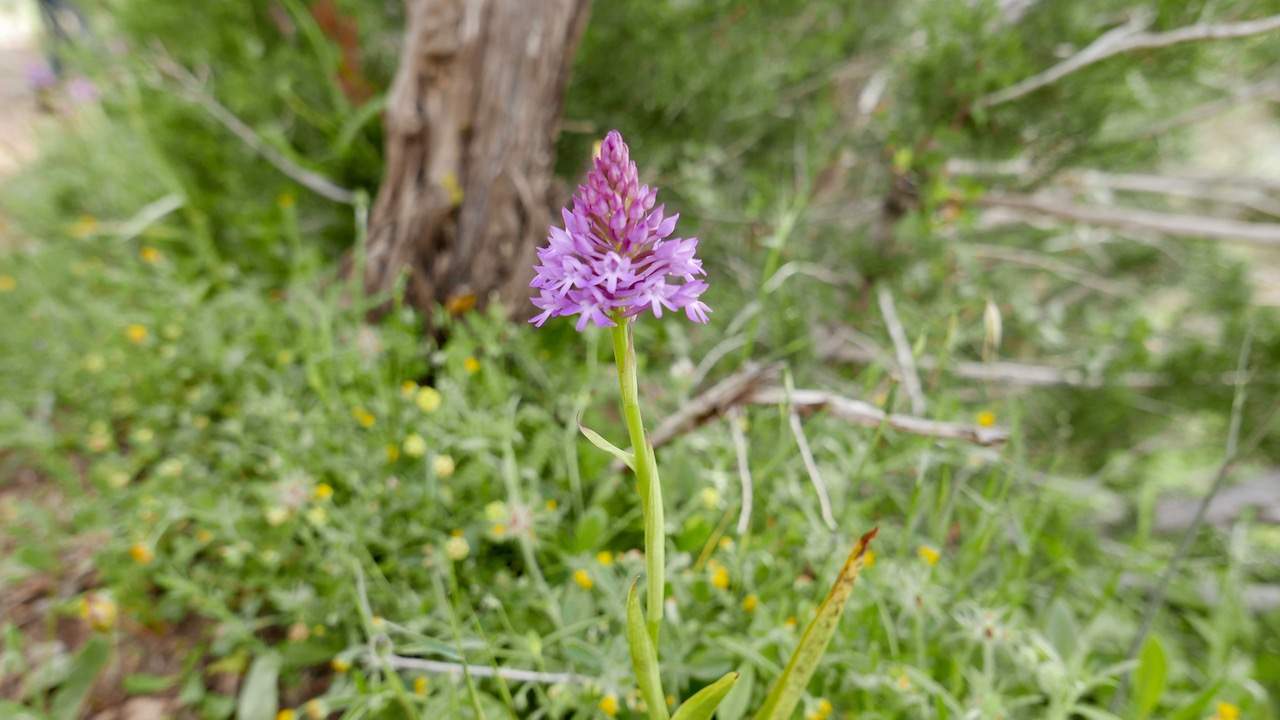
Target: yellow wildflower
x,y
323,491
443,466
7,283
285,200
986,418
609,705
286,714
498,530
362,416
420,685
583,578
378,622
552,505
84,226
314,709
276,516
605,558
726,543
790,622
99,610
428,399
339,665
821,712
710,498
414,445
929,555
137,334
750,603
393,452
149,255
719,575
471,365
408,388
868,559
457,548
141,554
1227,711
318,516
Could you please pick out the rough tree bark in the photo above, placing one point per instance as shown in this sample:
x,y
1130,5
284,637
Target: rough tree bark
x,y
470,134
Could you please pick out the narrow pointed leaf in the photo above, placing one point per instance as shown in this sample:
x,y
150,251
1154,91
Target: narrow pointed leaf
x,y
643,658
1149,678
69,698
598,440
704,702
785,694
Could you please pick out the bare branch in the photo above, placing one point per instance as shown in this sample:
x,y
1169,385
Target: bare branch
x,y
811,467
868,415
1128,38
1214,190
714,402
1047,263
1266,90
1139,220
191,89
513,674
902,347
1260,495
735,420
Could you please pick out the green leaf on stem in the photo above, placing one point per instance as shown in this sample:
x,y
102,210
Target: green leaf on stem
x,y
1149,678
70,697
644,659
705,701
628,459
786,691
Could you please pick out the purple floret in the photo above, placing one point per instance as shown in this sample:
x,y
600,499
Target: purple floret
x,y
615,252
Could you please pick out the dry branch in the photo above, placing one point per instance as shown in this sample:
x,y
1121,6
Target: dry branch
x,y
456,669
756,385
811,467
1139,220
902,348
868,415
1128,38
192,89
1260,495
714,402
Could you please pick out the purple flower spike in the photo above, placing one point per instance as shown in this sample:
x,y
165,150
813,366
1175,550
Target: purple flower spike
x,y
615,252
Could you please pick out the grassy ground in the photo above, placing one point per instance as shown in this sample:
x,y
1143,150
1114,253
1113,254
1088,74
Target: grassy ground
x,y
225,494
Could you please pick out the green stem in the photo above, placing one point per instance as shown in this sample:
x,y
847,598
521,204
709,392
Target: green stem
x,y
649,485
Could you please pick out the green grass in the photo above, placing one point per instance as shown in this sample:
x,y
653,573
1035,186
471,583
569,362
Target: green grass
x,y
199,427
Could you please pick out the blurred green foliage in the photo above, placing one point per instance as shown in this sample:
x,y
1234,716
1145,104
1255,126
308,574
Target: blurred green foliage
x,y
206,437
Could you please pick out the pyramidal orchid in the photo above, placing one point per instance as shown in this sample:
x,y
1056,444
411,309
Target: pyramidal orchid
x,y
615,255
614,260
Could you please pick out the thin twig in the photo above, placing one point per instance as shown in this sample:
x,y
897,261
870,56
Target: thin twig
x,y
1237,192
1139,220
902,348
1266,90
868,415
735,420
457,669
1156,601
714,402
811,467
1047,263
192,89
838,345
1127,38
756,384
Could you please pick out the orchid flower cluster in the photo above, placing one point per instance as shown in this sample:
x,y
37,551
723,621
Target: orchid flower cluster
x,y
615,254
614,259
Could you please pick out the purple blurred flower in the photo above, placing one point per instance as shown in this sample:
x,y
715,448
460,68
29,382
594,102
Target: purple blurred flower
x,y
41,75
615,253
82,90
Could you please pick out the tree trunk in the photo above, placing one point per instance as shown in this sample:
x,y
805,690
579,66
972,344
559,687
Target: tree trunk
x,y
470,139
